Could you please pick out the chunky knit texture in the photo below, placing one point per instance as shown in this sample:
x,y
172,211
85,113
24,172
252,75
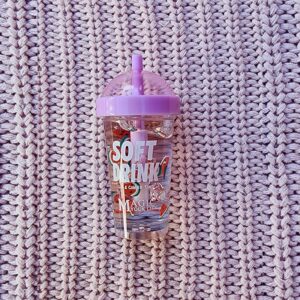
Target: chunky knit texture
x,y
235,226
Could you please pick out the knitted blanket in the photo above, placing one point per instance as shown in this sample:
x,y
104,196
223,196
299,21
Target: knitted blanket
x,y
235,228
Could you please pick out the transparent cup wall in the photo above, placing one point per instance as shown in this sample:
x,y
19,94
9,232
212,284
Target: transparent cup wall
x,y
140,174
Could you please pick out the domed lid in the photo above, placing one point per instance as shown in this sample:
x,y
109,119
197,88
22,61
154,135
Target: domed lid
x,y
137,92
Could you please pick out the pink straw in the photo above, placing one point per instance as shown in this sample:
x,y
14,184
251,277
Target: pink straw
x,y
137,78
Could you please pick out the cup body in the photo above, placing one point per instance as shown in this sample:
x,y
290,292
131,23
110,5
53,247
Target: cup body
x,y
139,150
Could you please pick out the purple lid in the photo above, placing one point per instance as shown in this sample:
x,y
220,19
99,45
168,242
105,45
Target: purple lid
x,y
137,92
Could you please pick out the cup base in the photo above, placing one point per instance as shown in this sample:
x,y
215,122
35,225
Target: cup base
x,y
143,235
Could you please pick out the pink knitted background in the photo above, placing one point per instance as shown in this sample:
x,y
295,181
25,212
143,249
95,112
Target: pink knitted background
x,y
235,223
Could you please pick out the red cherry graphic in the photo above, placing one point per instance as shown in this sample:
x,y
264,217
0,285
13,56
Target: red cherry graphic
x,y
163,166
163,209
116,199
129,188
119,133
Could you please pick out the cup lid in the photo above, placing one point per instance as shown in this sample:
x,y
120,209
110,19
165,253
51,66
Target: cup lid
x,y
137,92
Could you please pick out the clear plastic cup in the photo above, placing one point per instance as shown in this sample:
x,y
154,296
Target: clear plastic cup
x,y
139,109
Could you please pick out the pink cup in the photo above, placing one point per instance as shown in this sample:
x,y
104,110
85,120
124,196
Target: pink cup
x,y
138,109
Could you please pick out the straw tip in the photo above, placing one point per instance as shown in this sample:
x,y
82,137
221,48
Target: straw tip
x,y
137,62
